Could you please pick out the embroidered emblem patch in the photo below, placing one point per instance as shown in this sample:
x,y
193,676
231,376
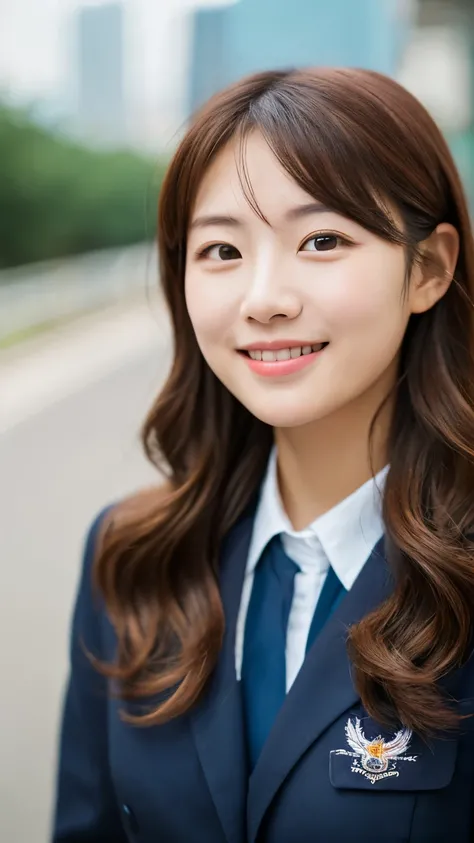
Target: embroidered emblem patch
x,y
375,759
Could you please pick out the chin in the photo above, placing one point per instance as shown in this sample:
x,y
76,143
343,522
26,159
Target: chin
x,y
283,416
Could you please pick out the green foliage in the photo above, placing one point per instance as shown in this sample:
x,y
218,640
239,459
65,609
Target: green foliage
x,y
58,198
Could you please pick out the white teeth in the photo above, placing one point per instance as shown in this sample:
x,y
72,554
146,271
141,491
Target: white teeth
x,y
284,353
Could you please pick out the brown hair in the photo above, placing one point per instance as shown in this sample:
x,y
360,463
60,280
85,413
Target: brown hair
x,y
361,144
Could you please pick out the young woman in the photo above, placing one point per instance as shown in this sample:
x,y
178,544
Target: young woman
x,y
279,645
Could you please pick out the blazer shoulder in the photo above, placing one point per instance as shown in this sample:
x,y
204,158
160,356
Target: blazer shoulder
x,y
99,526
90,611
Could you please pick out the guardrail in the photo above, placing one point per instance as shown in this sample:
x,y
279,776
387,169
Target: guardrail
x,y
45,293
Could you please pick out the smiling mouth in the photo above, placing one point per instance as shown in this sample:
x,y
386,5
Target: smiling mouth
x,y
275,355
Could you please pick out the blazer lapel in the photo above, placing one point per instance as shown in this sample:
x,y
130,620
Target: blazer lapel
x,y
321,693
217,720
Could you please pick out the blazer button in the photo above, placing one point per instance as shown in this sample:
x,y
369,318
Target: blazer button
x,y
130,819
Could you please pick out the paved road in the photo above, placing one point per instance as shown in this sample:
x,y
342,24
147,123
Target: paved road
x,y
68,445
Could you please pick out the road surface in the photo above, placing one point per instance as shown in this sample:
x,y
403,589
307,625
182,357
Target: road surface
x,y
70,411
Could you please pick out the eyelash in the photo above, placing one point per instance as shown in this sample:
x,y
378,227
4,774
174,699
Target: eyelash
x,y
340,237
203,253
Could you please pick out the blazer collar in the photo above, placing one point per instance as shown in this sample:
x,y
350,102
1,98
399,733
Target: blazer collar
x,y
217,720
321,693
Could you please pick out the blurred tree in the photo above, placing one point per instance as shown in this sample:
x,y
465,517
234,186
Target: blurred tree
x,y
58,198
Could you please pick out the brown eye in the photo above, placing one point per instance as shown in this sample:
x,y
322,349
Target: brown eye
x,y
322,243
221,252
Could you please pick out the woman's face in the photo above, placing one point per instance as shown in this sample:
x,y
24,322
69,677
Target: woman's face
x,y
299,316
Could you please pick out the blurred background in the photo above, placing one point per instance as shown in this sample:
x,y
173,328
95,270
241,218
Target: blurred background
x,y
93,99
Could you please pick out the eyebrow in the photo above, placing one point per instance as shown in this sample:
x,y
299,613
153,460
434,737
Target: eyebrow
x,y
296,213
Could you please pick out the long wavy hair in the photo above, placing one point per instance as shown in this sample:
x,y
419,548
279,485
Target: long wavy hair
x,y
361,144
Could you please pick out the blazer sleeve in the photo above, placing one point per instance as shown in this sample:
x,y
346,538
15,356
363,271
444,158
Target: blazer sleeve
x,y
86,810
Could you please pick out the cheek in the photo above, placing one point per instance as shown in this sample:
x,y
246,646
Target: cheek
x,y
366,302
210,309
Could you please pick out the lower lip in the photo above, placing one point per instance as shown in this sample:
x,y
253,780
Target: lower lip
x,y
277,368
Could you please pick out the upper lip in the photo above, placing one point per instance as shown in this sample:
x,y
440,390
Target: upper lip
x,y
275,345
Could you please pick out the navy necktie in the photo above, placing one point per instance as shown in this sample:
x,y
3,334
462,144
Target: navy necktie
x,y
264,656
331,595
264,663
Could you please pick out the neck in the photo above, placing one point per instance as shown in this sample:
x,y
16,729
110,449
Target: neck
x,y
321,463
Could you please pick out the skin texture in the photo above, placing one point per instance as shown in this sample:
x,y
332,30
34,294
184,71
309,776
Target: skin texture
x,y
312,277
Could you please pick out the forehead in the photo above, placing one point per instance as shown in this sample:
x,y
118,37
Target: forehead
x,y
243,170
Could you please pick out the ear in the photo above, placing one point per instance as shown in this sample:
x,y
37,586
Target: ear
x,y
432,276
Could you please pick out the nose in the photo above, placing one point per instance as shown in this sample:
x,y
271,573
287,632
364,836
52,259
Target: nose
x,y
269,298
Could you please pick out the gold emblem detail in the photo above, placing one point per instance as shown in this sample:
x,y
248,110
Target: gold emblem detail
x,y
376,759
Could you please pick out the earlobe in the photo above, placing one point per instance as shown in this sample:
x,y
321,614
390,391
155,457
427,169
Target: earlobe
x,y
435,274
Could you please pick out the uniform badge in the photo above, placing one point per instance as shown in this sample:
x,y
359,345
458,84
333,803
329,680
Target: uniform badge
x,y
375,759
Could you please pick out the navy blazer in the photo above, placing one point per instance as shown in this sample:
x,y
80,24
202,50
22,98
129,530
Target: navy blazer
x,y
317,779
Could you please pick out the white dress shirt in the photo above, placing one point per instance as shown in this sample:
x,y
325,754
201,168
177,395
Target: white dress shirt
x,y
343,537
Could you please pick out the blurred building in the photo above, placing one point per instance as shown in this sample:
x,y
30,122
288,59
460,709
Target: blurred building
x,y
208,64
438,67
427,44
253,35
100,73
438,64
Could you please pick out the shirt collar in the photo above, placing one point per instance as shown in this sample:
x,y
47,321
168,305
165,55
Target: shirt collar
x,y
346,533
